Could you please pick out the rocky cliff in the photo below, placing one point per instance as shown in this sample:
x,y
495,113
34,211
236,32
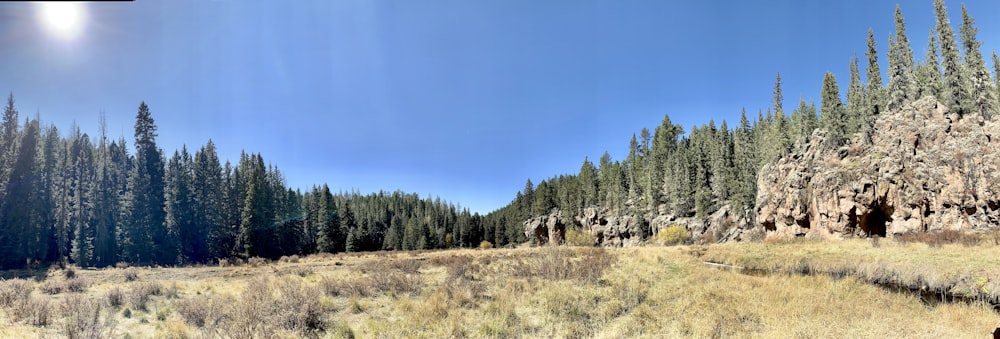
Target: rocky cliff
x,y
924,169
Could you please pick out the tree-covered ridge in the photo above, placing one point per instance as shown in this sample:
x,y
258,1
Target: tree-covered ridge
x,y
88,201
694,174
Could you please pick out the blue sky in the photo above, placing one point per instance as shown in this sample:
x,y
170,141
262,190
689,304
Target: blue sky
x,y
452,98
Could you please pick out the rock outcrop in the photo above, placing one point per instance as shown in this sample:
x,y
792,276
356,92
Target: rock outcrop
x,y
546,229
614,231
923,170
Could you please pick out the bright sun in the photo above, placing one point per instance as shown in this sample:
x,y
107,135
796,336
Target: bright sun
x,y
63,19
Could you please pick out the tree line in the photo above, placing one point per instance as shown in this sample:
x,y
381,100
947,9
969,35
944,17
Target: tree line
x,y
694,173
90,202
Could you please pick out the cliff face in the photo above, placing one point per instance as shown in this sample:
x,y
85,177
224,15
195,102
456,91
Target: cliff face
x,y
924,170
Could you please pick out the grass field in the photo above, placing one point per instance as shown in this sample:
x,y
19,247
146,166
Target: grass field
x,y
527,292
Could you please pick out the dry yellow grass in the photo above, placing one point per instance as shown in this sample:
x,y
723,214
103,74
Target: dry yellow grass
x,y
527,292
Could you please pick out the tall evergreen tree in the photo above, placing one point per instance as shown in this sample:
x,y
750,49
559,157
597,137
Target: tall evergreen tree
x,y
875,96
181,208
146,239
209,200
589,183
833,114
955,93
79,172
857,118
929,72
902,86
983,96
19,227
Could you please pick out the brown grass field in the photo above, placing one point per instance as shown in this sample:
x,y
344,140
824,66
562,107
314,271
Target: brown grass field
x,y
560,292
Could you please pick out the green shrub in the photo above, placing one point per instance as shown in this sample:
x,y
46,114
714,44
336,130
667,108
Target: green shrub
x,y
673,235
578,237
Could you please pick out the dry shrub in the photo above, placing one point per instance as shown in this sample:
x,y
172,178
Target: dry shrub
x,y
457,265
141,293
82,319
558,263
14,291
252,310
289,259
939,238
395,282
131,274
202,312
121,264
53,286
578,237
298,307
485,245
115,297
373,284
35,311
256,262
69,273
77,285
673,235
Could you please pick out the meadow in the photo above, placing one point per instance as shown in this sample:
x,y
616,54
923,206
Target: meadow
x,y
789,289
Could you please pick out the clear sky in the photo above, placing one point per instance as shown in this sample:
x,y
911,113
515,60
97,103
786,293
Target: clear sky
x,y
453,98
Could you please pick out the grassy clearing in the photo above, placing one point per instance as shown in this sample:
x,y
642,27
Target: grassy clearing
x,y
963,270
548,292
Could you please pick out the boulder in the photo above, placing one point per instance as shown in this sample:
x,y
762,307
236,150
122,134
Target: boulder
x,y
924,169
546,229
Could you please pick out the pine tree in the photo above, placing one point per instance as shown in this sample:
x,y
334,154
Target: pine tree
x,y
875,92
18,212
996,75
107,193
902,86
983,97
589,183
147,240
8,143
664,144
955,93
929,73
209,201
181,209
857,117
80,169
833,114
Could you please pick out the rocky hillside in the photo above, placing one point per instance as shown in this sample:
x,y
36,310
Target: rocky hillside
x,y
923,170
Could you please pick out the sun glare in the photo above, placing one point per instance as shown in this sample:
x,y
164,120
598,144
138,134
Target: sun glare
x,y
63,19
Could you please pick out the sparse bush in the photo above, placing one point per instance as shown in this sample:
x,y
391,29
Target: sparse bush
x,y
223,262
939,238
83,319
69,272
202,312
559,263
122,265
673,235
298,307
485,245
141,293
251,311
14,291
36,311
256,261
289,259
578,237
53,286
115,297
875,241
77,285
131,274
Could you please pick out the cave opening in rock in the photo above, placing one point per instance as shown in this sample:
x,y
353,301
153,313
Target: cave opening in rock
x,y
873,222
